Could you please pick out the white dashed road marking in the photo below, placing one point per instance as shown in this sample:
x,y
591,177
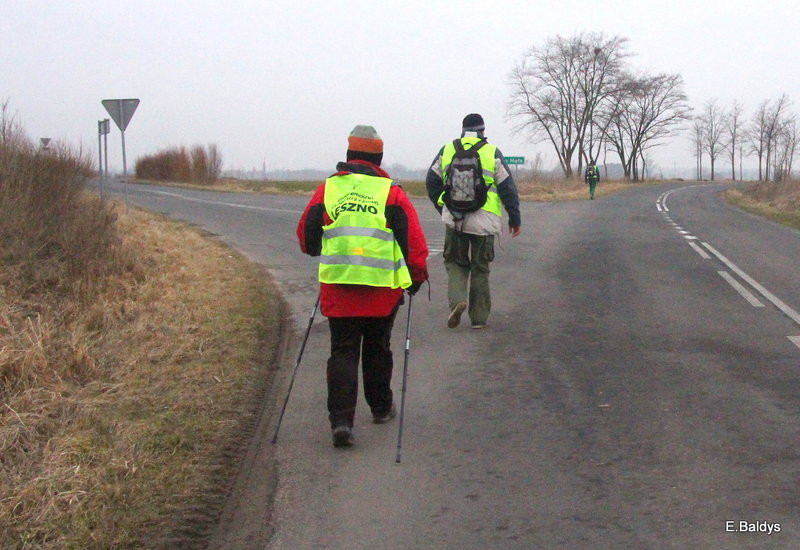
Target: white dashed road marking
x,y
661,205
703,253
740,289
777,302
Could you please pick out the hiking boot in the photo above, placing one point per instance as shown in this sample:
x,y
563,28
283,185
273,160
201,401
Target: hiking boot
x,y
343,436
385,417
455,315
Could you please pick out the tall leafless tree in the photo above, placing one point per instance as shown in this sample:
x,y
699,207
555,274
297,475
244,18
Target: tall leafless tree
x,y
557,88
713,119
698,129
774,123
785,149
646,110
758,134
733,137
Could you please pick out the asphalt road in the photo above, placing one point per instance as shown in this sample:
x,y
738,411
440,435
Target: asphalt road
x,y
625,395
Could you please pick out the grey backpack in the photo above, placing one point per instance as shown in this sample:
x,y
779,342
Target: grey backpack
x,y
464,187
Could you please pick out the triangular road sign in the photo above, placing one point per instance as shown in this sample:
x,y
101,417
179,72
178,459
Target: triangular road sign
x,y
121,110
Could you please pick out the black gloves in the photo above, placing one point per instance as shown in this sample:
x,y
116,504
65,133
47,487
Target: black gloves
x,y
414,288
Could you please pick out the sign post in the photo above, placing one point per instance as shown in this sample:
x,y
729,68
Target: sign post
x,y
100,152
106,130
121,111
102,132
45,143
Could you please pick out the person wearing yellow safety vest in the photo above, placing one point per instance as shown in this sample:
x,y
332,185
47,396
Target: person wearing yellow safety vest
x,y
473,221
371,248
591,177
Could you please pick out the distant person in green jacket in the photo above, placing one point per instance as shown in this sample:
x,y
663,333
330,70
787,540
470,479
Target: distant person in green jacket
x,y
592,176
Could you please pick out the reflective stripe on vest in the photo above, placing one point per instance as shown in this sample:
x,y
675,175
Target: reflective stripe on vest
x,y
358,248
488,165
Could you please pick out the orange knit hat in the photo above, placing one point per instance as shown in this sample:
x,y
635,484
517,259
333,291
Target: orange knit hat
x,y
365,140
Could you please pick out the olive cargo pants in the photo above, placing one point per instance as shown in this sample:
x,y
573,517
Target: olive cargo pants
x,y
466,259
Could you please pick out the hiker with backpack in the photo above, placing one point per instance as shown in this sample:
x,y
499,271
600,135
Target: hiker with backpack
x,y
371,246
468,182
591,177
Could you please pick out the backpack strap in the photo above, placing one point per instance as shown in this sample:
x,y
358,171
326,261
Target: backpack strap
x,y
478,145
460,146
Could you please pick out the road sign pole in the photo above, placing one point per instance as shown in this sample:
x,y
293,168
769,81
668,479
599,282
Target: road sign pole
x,y
121,110
106,129
124,162
100,147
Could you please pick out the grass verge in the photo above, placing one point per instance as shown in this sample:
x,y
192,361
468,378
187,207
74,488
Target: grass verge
x,y
127,411
530,190
778,201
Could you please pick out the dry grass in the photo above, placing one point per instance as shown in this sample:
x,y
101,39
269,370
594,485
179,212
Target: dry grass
x,y
116,431
779,201
132,352
550,190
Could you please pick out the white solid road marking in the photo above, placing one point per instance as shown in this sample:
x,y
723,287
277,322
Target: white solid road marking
x,y
221,203
795,340
740,289
703,253
792,314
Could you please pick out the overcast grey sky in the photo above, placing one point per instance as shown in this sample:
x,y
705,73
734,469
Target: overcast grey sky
x,y
284,82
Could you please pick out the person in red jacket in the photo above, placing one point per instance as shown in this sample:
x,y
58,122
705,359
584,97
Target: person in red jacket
x,y
359,299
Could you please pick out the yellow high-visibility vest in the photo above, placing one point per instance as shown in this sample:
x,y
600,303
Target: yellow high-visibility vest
x,y
358,248
488,165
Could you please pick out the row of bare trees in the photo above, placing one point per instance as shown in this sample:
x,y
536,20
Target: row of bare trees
x,y
580,95
770,135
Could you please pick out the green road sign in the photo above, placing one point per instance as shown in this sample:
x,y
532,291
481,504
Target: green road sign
x,y
515,160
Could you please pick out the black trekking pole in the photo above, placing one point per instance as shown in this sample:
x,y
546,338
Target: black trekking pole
x,y
405,377
297,364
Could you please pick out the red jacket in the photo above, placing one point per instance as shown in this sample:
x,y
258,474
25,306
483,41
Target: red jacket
x,y
360,300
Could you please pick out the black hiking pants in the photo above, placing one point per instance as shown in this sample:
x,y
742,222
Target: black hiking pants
x,y
367,339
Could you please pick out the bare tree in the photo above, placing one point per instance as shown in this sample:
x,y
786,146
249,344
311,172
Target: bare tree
x,y
774,123
214,162
713,119
785,149
646,110
758,134
733,137
697,146
557,88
